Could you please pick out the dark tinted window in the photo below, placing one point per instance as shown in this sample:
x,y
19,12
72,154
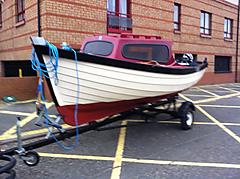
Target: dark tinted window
x,y
146,52
98,48
11,68
222,64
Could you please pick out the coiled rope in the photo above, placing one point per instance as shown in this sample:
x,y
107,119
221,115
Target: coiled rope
x,y
44,70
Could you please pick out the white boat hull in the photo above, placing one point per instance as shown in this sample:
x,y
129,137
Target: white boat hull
x,y
100,83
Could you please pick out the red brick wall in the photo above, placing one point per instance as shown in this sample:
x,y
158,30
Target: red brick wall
x,y
156,17
21,88
73,20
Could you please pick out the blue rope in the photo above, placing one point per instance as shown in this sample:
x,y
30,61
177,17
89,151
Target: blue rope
x,y
52,66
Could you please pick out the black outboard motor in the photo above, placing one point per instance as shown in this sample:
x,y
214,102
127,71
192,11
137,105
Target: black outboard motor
x,y
187,59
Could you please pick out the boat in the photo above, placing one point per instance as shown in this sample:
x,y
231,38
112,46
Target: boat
x,y
112,74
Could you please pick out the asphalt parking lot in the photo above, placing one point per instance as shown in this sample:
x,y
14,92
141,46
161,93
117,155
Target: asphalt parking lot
x,y
211,149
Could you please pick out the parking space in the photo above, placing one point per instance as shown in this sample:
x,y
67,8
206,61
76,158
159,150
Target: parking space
x,y
154,150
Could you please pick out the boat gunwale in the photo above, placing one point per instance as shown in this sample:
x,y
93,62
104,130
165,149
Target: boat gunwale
x,y
44,50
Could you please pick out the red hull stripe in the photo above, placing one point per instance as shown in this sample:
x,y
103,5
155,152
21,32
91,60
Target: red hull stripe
x,y
92,112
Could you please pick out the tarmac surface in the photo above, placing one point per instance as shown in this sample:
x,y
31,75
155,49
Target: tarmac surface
x,y
159,150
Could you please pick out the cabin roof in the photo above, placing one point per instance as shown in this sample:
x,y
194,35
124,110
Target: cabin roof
x,y
128,38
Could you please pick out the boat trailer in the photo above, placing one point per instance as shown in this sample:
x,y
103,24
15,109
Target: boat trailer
x,y
147,112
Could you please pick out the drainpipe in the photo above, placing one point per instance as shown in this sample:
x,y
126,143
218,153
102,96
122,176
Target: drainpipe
x,y
237,44
39,18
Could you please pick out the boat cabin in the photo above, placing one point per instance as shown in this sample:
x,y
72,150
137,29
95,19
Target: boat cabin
x,y
130,47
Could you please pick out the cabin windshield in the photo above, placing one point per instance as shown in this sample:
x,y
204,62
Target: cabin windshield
x,y
146,52
102,48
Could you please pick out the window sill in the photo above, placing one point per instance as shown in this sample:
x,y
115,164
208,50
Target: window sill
x,y
20,23
228,40
205,36
119,31
177,32
222,72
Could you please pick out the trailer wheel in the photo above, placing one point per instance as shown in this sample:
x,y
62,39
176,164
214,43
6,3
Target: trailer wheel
x,y
31,158
186,115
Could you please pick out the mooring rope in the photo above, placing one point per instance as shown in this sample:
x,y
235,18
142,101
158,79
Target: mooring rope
x,y
52,67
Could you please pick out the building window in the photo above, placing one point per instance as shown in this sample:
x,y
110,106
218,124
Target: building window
x,y
20,9
0,14
228,28
177,15
205,23
222,64
118,16
11,68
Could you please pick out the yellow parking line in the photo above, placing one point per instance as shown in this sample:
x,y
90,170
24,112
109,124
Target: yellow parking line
x,y
178,122
196,164
228,131
23,122
82,157
235,85
117,165
229,89
20,113
142,161
216,98
218,106
206,91
29,133
197,95
24,102
15,113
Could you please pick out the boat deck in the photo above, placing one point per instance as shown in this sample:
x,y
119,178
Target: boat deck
x,y
156,150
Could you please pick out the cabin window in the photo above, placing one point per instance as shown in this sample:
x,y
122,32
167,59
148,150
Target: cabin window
x,y
118,16
103,48
222,64
228,28
205,23
20,9
147,52
177,13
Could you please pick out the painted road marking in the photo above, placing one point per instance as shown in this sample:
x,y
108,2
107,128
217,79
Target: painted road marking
x,y
178,122
229,89
142,161
206,91
24,121
218,106
228,131
117,165
195,164
215,98
65,126
197,95
15,113
21,113
82,157
231,133
29,133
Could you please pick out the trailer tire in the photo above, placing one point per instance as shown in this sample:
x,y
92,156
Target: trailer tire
x,y
186,115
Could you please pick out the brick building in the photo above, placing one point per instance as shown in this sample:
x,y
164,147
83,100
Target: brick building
x,y
205,28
